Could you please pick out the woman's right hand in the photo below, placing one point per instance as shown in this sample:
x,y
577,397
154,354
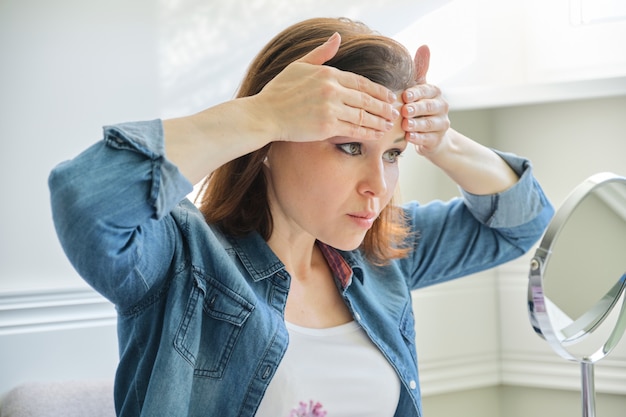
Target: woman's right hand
x,y
309,101
305,102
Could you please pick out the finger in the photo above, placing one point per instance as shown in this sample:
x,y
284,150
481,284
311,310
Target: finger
x,y
420,92
422,149
371,97
364,85
363,133
324,52
424,142
425,107
422,62
362,114
361,118
423,91
426,124
327,51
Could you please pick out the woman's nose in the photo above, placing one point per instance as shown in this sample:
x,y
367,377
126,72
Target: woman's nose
x,y
374,182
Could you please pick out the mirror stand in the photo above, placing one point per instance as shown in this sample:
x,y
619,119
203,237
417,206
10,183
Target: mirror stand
x,y
572,299
588,389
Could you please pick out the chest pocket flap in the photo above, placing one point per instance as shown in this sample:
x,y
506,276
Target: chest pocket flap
x,y
211,325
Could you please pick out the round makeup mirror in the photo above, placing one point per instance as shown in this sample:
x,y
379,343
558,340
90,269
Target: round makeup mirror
x,y
577,286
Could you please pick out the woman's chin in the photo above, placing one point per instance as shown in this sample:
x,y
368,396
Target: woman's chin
x,y
345,245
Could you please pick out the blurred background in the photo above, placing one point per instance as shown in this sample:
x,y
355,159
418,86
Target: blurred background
x,y
543,79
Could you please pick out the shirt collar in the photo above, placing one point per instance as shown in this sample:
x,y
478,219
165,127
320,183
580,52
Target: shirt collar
x,y
261,262
338,265
256,256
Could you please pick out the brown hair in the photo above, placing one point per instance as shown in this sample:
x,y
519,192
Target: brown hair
x,y
235,195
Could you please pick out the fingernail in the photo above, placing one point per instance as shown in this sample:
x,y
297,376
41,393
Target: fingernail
x,y
411,123
410,109
412,136
392,97
388,125
395,114
409,96
332,37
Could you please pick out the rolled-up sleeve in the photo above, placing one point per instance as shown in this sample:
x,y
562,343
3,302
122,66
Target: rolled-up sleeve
x,y
476,232
110,207
518,205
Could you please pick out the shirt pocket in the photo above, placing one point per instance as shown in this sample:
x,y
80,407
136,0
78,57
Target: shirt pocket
x,y
211,324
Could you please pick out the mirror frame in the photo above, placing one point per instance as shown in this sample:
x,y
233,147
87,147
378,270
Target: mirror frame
x,y
537,305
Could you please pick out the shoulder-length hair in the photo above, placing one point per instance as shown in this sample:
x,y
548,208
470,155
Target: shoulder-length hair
x,y
234,196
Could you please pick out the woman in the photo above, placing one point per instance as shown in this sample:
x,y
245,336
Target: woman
x,y
292,282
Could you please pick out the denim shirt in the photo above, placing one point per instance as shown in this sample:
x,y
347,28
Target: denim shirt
x,y
201,314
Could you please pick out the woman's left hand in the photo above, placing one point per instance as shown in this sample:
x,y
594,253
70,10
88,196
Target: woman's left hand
x,y
474,167
425,112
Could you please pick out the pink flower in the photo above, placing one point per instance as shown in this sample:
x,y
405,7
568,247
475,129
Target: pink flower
x,y
313,410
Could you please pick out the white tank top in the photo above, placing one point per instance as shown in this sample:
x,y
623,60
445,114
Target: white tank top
x,y
339,368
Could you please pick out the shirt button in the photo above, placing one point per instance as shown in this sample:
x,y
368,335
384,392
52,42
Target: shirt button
x,y
413,384
267,372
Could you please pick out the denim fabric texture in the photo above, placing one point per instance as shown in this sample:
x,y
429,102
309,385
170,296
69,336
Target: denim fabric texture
x,y
200,314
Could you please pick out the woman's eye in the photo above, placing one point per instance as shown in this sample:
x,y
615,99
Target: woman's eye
x,y
392,155
350,148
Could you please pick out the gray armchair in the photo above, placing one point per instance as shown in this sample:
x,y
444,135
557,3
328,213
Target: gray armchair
x,y
59,399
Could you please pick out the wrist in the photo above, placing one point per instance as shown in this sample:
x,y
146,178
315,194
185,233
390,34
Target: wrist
x,y
257,120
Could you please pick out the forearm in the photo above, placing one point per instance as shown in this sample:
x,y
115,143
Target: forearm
x,y
200,143
474,167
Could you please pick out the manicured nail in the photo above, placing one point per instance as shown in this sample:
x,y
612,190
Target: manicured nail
x,y
410,109
332,38
395,114
409,96
388,125
411,123
392,97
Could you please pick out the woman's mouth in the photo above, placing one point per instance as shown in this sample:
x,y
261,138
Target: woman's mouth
x,y
363,219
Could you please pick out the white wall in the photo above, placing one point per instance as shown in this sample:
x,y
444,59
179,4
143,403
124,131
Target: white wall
x,y
68,67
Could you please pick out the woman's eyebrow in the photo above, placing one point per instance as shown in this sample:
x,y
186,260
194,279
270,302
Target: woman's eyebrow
x,y
400,139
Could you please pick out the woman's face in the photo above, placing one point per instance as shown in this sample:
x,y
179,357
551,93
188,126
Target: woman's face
x,y
332,190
